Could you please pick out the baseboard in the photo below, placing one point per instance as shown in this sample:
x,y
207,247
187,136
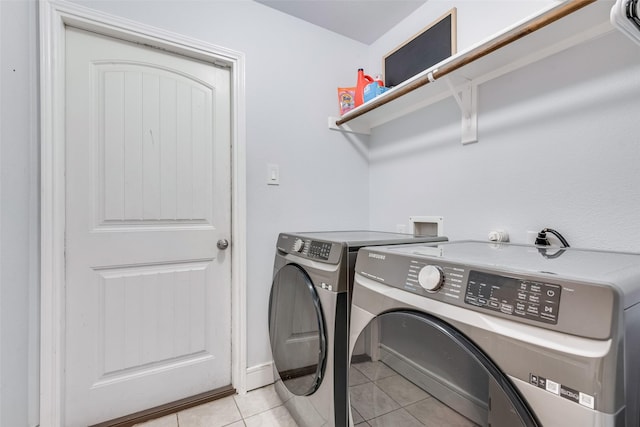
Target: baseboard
x,y
169,408
259,376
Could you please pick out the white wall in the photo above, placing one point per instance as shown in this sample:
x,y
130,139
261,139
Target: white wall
x,y
476,22
557,143
291,70
558,147
19,250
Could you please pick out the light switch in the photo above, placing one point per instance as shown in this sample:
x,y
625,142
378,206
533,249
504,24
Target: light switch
x,y
273,174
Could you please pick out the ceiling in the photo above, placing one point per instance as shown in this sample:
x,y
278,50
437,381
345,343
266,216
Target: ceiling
x,y
361,20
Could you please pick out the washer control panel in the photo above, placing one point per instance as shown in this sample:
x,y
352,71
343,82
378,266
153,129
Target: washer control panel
x,y
317,250
529,299
460,285
548,299
320,250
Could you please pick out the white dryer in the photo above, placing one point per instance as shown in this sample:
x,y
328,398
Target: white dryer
x,y
502,335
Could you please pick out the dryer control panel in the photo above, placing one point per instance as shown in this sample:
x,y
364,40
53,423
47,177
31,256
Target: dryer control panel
x,y
541,299
531,299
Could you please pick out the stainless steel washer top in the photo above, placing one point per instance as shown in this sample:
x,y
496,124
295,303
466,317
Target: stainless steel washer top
x,y
549,335
360,238
341,247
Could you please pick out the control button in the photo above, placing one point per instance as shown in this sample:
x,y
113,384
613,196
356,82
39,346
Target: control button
x,y
298,245
506,308
471,299
551,293
326,286
431,277
549,309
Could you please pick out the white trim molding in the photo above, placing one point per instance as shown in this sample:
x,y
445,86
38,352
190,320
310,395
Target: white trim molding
x,y
54,17
259,376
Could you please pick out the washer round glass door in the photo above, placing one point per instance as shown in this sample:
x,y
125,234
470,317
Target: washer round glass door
x,y
297,330
412,369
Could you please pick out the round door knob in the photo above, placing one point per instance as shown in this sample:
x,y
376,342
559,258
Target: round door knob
x,y
222,244
431,277
298,245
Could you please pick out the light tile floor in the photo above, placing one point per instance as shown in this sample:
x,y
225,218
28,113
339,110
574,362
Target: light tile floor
x,y
379,398
257,408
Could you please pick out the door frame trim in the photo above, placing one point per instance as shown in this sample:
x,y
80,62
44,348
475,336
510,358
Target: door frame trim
x,y
54,17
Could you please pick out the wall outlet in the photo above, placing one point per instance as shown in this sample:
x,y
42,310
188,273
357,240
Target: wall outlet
x,y
498,236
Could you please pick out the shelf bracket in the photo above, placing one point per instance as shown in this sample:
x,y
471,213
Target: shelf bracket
x,y
467,100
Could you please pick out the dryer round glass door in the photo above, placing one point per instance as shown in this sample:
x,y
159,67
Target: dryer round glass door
x,y
412,369
297,330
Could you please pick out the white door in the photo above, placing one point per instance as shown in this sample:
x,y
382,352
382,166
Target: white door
x,y
148,301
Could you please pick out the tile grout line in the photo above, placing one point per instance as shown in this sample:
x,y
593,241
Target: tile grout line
x,y
238,408
400,406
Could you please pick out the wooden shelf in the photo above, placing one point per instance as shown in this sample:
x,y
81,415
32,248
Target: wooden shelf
x,y
554,30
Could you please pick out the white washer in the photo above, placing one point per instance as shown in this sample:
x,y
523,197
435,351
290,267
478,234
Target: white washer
x,y
502,335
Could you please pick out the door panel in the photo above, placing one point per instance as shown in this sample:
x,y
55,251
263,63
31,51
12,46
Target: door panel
x,y
148,302
151,315
154,178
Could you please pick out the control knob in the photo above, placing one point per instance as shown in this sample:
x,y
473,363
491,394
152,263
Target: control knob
x,y
431,277
298,245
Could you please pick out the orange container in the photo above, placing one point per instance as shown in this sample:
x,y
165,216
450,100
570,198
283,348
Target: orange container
x,y
363,81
